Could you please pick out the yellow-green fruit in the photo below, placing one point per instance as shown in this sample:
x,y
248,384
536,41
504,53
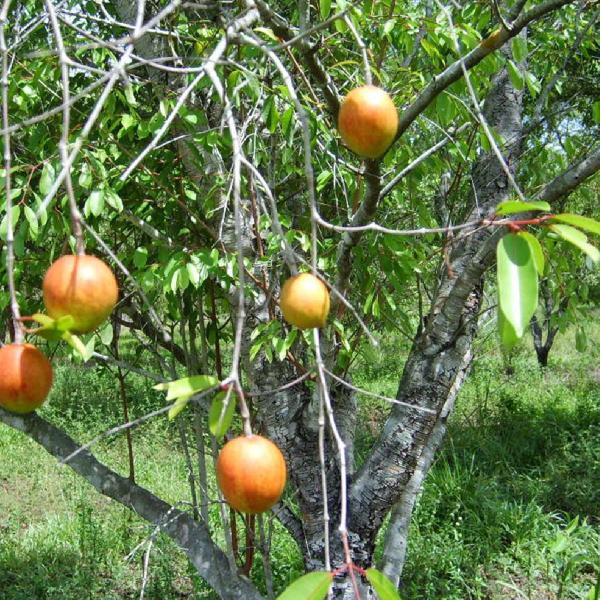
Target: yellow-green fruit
x,y
368,121
304,301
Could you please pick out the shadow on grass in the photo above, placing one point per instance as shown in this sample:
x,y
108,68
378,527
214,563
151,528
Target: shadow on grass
x,y
494,503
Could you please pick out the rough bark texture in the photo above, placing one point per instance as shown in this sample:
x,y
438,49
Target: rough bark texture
x,y
440,354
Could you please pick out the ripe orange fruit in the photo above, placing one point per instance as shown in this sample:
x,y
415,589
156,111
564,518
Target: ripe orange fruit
x,y
304,301
251,473
83,287
368,121
25,378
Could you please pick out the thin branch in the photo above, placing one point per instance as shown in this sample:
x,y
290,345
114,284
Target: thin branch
x,y
10,252
191,536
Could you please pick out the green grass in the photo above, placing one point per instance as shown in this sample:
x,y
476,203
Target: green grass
x,y
521,462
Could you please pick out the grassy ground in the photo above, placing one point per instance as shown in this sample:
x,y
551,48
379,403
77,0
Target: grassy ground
x,y
511,508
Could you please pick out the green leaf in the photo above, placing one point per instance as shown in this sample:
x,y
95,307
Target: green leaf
x,y
77,345
47,179
516,77
95,203
220,415
128,121
140,257
179,405
130,96
578,239
43,320
384,588
580,340
536,250
578,221
106,334
16,213
267,32
511,207
313,586
519,48
517,281
325,8
64,323
113,199
508,336
596,111
193,274
388,26
32,220
187,386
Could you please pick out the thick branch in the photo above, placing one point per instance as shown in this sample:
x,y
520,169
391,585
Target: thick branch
x,y
191,536
576,174
487,46
363,215
437,358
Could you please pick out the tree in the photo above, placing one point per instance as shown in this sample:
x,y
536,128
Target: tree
x,y
200,142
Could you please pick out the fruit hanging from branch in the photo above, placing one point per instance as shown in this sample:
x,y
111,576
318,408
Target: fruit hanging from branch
x,y
25,378
304,301
251,473
81,286
368,121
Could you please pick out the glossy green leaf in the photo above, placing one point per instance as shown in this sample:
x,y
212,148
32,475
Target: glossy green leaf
x,y
511,207
47,179
140,257
313,586
384,588
95,203
596,111
519,48
517,281
32,220
516,77
325,8
106,334
508,336
536,250
16,213
578,221
220,414
76,343
114,200
65,323
187,386
43,320
178,406
578,239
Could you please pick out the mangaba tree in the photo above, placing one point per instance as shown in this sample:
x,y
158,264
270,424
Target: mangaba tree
x,y
200,149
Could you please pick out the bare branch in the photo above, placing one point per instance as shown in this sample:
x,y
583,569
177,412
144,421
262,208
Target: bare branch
x,y
191,536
